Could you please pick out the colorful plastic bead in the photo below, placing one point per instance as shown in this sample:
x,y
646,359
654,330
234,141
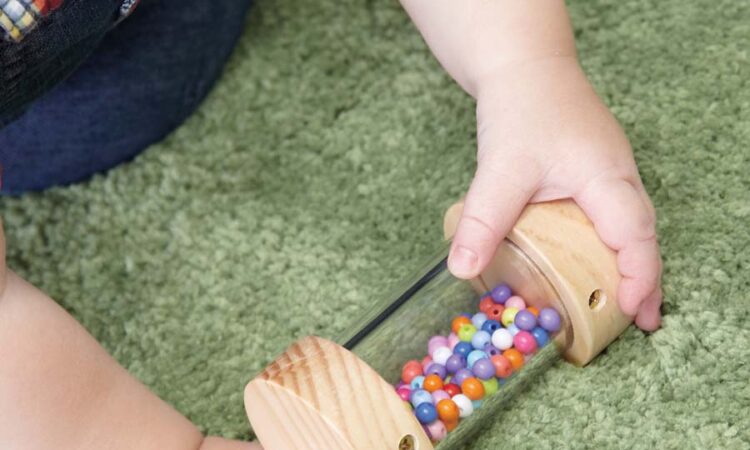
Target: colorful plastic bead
x,y
465,407
480,339
491,386
455,363
515,357
483,369
491,326
478,320
453,340
426,361
524,342
436,342
411,369
472,388
466,332
461,376
433,383
503,367
533,311
439,395
549,319
513,329
436,369
448,410
417,382
491,350
458,321
495,313
404,392
451,425
515,302
502,339
501,293
420,396
541,336
463,349
441,355
476,404
486,304
426,413
509,315
452,389
525,320
475,356
437,430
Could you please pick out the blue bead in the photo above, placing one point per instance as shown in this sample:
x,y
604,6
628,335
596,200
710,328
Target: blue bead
x,y
426,413
490,326
480,339
420,396
541,336
513,329
479,319
477,404
475,356
463,349
417,382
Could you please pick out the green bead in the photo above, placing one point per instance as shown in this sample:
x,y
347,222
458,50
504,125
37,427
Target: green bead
x,y
466,332
490,386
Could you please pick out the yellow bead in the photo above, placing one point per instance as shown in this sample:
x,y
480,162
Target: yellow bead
x,y
509,315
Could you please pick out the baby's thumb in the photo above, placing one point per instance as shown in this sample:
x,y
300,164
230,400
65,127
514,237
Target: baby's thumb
x,y
495,199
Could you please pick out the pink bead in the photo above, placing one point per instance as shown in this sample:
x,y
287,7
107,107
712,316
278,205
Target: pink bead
x,y
404,392
437,430
426,361
515,302
440,395
435,343
453,340
524,342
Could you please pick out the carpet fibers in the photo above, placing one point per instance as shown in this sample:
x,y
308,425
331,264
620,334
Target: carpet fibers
x,y
316,174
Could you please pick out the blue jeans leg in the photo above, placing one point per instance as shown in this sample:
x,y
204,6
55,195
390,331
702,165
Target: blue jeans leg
x,y
146,78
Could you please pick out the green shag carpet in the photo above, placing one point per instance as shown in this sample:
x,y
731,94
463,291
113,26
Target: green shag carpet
x,y
316,174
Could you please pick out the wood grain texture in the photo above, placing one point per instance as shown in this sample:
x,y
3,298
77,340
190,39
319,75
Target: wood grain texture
x,y
318,395
562,245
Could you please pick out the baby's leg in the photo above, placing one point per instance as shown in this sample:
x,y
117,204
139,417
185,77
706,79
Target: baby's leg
x,y
60,389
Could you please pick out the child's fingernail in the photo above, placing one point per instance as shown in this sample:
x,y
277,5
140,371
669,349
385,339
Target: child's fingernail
x,y
463,262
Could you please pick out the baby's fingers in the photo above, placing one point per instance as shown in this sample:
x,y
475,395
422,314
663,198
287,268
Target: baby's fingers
x,y
625,221
494,201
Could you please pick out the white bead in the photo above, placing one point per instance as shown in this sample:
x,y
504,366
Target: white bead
x,y
502,339
441,355
465,406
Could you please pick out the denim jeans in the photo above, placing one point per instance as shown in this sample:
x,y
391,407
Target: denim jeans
x,y
144,79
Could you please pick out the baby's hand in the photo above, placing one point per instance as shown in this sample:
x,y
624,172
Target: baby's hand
x,y
543,134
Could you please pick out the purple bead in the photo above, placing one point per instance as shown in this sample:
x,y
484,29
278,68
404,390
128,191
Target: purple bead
x,y
484,369
491,350
455,363
549,319
461,376
525,320
436,369
436,342
501,293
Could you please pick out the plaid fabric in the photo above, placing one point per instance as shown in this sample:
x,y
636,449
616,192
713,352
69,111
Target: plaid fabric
x,y
18,17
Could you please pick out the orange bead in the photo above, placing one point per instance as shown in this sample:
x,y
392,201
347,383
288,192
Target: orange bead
x,y
432,383
495,312
503,366
485,304
533,311
458,321
515,357
447,410
450,425
473,388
